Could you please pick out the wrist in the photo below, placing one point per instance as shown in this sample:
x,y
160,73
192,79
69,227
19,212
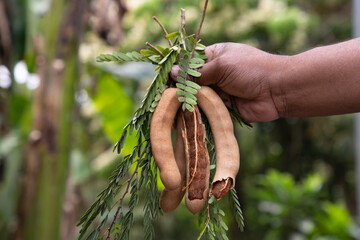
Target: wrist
x,y
277,79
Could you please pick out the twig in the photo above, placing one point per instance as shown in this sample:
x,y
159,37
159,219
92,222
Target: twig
x,y
182,31
183,18
163,28
153,47
124,194
199,29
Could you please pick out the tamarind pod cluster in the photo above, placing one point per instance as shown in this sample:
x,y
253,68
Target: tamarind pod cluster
x,y
227,150
170,199
160,138
193,176
197,160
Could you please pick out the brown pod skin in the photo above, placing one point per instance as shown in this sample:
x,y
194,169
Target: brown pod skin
x,y
170,199
160,138
227,150
197,160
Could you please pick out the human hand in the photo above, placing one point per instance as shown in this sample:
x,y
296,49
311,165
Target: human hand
x,y
241,75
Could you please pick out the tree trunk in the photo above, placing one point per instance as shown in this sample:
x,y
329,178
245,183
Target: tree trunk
x,y
47,154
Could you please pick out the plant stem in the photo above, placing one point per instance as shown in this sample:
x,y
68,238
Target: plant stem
x,y
199,29
153,47
163,28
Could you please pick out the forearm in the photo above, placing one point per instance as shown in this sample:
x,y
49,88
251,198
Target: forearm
x,y
322,81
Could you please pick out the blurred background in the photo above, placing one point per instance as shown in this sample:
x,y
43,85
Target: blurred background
x,y
61,113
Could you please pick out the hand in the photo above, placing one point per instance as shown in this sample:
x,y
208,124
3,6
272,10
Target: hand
x,y
241,75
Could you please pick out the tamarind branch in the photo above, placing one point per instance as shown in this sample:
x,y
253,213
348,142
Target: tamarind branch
x,y
124,194
163,28
153,47
199,29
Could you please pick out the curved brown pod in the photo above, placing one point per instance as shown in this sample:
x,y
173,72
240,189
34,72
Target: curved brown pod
x,y
227,150
170,199
160,138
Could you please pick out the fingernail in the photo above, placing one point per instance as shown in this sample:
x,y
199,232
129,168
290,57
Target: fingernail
x,y
174,72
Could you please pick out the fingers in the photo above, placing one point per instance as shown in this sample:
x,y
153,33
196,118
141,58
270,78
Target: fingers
x,y
209,71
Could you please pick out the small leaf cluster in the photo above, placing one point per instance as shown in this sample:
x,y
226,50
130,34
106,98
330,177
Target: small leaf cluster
x,y
187,69
236,208
188,88
122,57
216,227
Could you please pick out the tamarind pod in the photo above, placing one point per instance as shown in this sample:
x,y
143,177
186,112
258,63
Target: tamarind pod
x,y
220,188
160,138
170,199
227,150
197,160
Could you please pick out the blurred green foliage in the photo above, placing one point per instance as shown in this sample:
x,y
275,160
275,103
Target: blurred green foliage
x,y
286,203
299,210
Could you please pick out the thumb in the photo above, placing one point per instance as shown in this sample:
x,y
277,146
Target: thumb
x,y
209,71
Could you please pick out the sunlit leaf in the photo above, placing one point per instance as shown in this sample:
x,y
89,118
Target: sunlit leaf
x,y
193,84
193,73
172,35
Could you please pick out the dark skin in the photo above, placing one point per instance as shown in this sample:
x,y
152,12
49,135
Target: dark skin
x,y
320,82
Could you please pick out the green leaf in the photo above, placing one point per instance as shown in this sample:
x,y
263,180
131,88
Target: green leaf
x,y
137,55
190,101
181,86
131,129
189,107
167,56
224,226
181,93
154,104
221,212
201,56
172,35
122,141
192,84
211,200
189,95
157,97
93,235
145,52
200,47
122,56
197,61
193,73
155,59
111,57
180,79
195,66
182,99
190,90
182,73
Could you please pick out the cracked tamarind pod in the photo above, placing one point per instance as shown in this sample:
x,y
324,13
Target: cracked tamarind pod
x,y
170,199
227,150
160,138
197,160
